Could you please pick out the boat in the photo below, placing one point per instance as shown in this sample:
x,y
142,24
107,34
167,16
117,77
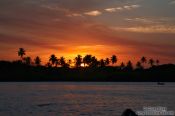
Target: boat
x,y
160,83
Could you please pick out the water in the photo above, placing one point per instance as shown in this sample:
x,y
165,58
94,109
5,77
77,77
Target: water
x,y
82,99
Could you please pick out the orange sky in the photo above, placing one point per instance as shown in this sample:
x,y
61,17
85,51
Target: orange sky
x,y
128,29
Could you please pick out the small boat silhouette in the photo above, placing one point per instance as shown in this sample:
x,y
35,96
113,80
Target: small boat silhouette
x,y
160,83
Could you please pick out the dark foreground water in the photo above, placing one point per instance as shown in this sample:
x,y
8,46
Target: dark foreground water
x,y
82,99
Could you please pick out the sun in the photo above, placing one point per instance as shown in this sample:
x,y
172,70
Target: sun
x,y
82,65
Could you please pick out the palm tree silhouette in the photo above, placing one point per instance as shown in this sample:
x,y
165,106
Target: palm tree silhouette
x,y
129,65
62,61
78,61
69,62
48,64
122,65
53,59
114,59
143,60
157,62
107,61
28,60
151,62
21,52
57,62
37,61
102,63
94,62
139,65
87,60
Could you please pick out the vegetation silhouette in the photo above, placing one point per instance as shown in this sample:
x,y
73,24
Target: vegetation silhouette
x,y
87,60
53,59
21,52
27,60
87,68
122,66
114,59
151,62
37,61
157,62
62,62
139,65
143,59
78,61
107,61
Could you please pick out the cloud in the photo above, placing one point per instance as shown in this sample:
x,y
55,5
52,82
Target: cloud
x,y
97,12
148,29
126,7
113,9
151,21
55,8
75,15
130,7
26,41
93,13
172,2
142,20
71,13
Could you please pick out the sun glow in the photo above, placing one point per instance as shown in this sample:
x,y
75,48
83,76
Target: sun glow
x,y
82,65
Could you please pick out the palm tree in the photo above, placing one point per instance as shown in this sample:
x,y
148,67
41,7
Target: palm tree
x,y
157,62
107,61
87,60
114,59
21,52
48,64
143,60
27,60
129,65
94,62
151,62
69,62
57,62
37,61
53,59
122,66
62,61
102,63
78,61
139,65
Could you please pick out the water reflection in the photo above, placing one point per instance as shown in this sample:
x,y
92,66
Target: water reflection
x,y
82,99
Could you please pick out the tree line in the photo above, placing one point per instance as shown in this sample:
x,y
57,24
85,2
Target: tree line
x,y
86,61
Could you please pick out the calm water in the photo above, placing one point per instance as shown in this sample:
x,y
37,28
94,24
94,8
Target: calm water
x,y
82,99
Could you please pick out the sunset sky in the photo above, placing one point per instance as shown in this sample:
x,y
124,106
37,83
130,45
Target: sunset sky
x,y
128,28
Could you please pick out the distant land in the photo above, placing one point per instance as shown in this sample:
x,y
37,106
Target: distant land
x,y
87,68
15,71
